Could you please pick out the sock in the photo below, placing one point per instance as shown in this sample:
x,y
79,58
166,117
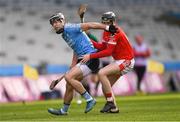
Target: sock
x,y
87,96
65,107
109,97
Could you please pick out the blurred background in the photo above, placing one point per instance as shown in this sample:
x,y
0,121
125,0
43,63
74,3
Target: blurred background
x,y
32,55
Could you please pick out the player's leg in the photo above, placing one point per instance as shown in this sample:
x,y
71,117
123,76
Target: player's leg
x,y
71,78
119,67
108,76
86,86
103,74
68,96
113,78
94,78
67,101
82,70
80,88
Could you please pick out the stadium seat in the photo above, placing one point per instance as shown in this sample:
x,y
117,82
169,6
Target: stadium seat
x,y
29,29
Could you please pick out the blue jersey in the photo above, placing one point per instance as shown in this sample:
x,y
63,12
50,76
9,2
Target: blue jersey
x,y
77,40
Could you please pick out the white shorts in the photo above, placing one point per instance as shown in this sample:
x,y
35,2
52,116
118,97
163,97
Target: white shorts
x,y
84,68
92,66
125,65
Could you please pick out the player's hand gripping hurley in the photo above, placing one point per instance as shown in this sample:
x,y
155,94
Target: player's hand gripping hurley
x,y
55,82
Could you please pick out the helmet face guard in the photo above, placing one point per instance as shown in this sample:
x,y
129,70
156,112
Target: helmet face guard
x,y
108,17
106,20
56,17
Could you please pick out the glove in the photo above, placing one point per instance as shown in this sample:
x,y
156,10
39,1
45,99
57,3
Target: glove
x,y
112,29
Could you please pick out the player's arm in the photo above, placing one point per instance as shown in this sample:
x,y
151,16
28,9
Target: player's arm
x,y
92,25
94,40
98,45
109,48
95,25
104,53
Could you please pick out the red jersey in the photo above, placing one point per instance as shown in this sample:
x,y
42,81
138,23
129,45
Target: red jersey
x,y
117,45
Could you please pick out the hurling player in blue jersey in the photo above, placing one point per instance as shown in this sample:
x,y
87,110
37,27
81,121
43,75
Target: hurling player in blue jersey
x,y
76,38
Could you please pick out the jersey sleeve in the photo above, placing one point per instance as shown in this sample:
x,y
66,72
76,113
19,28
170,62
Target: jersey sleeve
x,y
72,28
98,45
110,42
104,53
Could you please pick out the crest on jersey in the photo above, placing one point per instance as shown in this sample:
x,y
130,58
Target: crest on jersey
x,y
112,40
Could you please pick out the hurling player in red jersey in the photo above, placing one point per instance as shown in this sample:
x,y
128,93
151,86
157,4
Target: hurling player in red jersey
x,y
116,45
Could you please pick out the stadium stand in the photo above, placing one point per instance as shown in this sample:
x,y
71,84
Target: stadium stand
x,y
26,36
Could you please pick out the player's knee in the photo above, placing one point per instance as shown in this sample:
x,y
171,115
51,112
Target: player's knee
x,y
67,78
101,73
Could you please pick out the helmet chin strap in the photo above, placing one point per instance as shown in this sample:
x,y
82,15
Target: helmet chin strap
x,y
60,31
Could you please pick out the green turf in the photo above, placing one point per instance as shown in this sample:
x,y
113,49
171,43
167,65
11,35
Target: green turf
x,y
163,107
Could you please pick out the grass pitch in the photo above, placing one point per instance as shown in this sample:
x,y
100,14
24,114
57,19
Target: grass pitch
x,y
162,107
